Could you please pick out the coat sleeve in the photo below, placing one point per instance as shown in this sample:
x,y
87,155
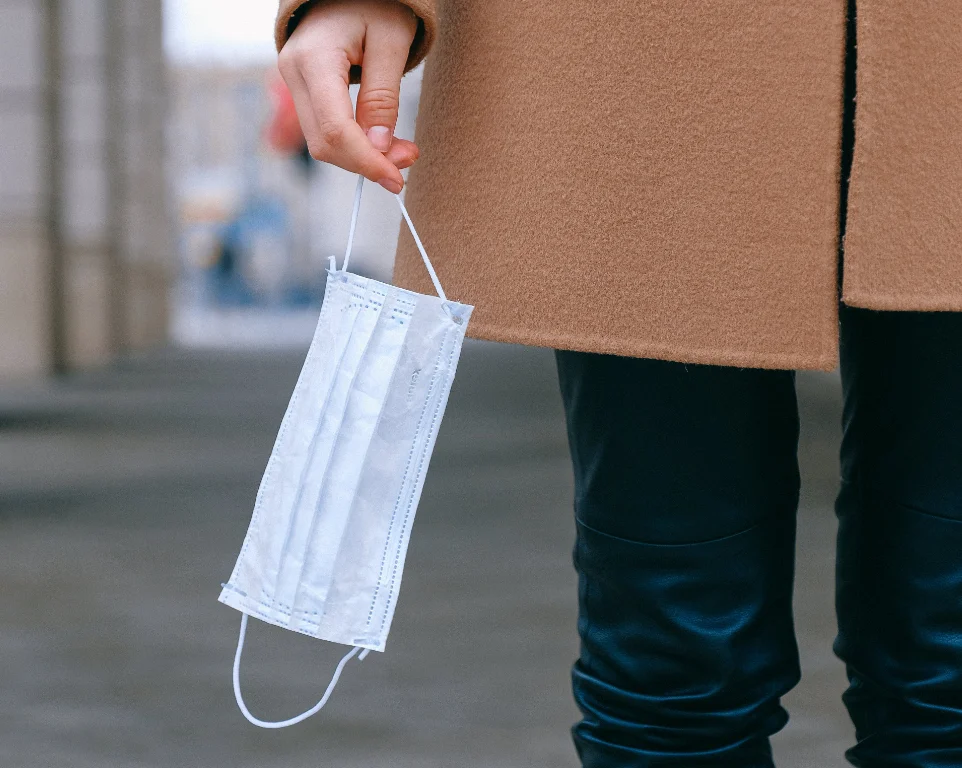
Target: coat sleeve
x,y
290,11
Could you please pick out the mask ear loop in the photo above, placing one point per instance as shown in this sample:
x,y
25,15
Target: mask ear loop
x,y
350,234
304,715
414,234
424,253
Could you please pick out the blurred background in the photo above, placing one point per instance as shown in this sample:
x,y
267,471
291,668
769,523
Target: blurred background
x,y
162,247
142,199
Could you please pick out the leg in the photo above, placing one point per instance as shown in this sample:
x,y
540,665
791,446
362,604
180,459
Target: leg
x,y
899,590
686,486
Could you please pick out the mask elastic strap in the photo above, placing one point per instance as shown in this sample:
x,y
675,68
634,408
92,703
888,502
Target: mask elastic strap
x,y
303,716
407,218
350,234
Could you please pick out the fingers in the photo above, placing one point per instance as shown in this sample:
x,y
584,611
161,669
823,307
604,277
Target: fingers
x,y
335,137
403,153
386,50
316,63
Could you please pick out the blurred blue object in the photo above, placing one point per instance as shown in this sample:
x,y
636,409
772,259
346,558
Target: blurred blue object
x,y
253,258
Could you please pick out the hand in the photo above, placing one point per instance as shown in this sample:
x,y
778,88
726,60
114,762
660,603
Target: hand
x,y
316,61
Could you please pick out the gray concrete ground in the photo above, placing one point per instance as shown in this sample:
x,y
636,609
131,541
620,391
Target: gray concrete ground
x,y
124,498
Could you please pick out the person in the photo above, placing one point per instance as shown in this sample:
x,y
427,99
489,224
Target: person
x,y
684,201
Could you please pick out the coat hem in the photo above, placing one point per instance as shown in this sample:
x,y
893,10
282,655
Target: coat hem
x,y
732,358
884,302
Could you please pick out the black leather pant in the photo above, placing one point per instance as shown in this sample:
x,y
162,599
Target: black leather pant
x,y
686,491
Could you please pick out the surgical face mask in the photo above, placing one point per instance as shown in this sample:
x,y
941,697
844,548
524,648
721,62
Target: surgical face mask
x,y
326,546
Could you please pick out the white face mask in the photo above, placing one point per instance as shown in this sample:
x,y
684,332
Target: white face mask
x,y
326,545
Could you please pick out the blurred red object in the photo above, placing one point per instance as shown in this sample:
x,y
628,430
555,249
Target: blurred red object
x,y
283,133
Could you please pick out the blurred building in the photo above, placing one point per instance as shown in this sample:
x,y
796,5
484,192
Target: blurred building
x,y
85,252
233,194
223,173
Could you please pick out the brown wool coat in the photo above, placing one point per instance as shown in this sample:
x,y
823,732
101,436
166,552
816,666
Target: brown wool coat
x,y
661,179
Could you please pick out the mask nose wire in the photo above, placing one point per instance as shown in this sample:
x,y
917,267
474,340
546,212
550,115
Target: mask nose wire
x,y
414,234
304,715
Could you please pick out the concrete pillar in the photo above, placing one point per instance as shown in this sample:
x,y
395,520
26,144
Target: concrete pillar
x,y
87,275
85,250
146,242
25,330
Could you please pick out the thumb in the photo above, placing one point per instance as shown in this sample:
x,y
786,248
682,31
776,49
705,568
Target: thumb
x,y
385,54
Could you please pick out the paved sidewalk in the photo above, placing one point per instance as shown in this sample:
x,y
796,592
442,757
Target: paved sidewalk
x,y
124,498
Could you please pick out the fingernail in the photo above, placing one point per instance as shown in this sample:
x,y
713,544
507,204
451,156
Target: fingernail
x,y
380,137
391,186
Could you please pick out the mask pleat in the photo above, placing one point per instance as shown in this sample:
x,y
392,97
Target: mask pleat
x,y
368,309
377,514
395,550
339,484
295,437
